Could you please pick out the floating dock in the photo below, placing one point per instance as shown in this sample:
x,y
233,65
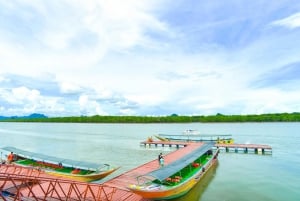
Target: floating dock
x,y
245,148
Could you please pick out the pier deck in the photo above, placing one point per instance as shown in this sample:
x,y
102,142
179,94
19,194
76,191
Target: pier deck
x,y
255,148
246,148
177,144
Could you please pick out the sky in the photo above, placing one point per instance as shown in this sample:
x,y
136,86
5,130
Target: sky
x,y
149,57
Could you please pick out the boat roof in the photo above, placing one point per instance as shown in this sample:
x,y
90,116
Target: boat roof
x,y
55,160
200,135
170,169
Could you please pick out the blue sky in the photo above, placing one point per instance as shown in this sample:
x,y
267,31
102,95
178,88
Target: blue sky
x,y
154,57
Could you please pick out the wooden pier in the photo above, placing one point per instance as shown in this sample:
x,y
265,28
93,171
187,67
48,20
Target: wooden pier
x,y
245,148
124,180
176,144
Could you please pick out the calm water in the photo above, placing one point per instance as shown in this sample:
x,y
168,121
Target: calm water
x,y
237,176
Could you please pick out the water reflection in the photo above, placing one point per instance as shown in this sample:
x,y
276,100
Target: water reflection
x,y
198,190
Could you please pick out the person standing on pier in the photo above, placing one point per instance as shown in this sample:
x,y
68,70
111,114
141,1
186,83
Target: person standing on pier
x,y
10,158
161,160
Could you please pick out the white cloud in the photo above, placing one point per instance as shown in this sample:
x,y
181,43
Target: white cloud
x,y
270,101
120,25
25,94
83,100
89,106
117,57
24,101
67,87
291,22
76,35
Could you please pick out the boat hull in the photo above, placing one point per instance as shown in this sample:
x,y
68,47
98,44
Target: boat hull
x,y
175,191
82,178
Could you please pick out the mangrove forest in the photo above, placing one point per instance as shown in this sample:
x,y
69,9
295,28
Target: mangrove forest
x,y
174,118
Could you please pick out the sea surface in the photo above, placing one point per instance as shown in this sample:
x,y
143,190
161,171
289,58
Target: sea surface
x,y
236,177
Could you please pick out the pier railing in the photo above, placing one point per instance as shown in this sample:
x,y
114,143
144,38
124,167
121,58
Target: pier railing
x,y
20,183
245,148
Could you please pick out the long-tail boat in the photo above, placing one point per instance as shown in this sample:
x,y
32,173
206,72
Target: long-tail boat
x,y
195,137
66,168
177,178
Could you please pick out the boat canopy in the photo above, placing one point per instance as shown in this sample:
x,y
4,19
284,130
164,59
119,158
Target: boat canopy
x,y
56,160
199,135
195,137
170,169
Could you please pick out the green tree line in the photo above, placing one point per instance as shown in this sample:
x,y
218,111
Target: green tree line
x,y
174,118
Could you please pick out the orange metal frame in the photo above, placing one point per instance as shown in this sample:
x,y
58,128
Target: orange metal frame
x,y
21,183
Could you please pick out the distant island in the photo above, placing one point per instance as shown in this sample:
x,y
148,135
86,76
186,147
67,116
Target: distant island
x,y
174,118
32,116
